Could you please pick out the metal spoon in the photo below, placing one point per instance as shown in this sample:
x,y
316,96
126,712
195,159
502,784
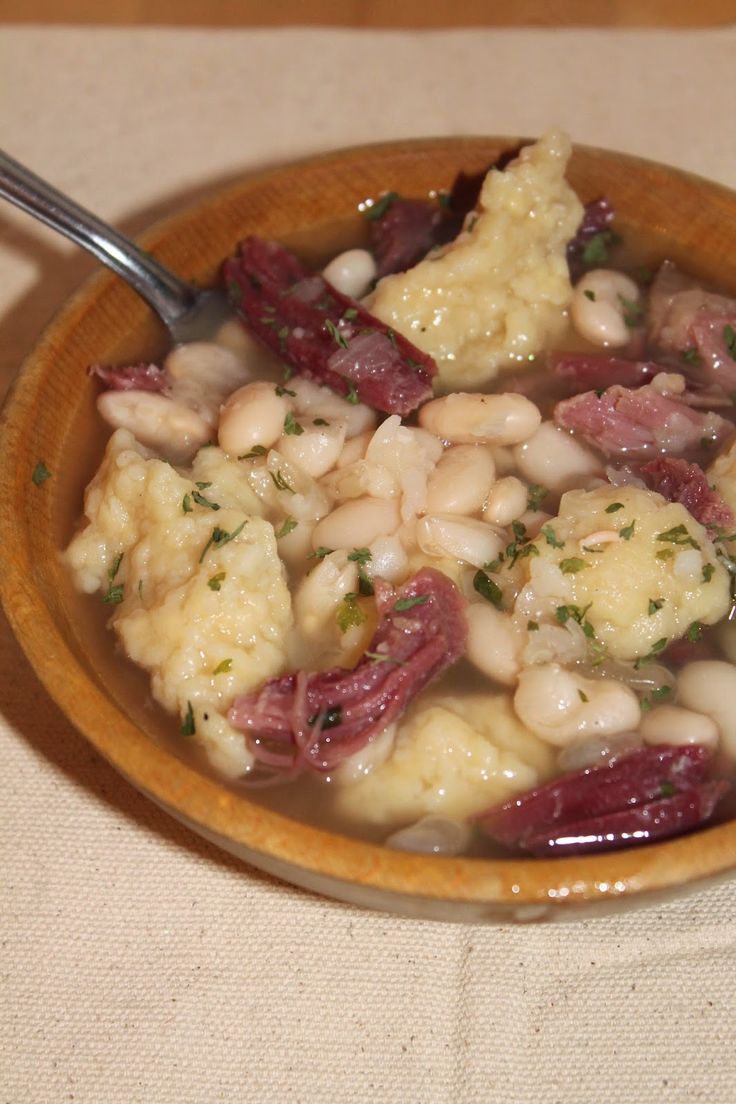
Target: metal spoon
x,y
188,313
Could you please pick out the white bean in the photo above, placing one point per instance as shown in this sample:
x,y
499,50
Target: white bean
x,y
563,707
671,724
553,458
253,415
507,500
388,559
202,374
357,523
465,539
432,835
354,448
460,481
295,546
709,686
351,272
598,307
310,399
320,593
493,645
468,418
315,450
170,428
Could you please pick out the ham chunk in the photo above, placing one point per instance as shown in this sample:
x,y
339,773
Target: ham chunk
x,y
315,720
678,481
640,422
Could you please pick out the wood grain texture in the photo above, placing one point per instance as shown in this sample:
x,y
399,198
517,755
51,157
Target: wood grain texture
x,y
374,13
52,407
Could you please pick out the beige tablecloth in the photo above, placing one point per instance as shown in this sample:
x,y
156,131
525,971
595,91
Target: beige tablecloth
x,y
140,964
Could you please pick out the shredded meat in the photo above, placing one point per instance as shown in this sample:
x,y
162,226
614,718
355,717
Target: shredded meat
x,y
643,795
130,377
407,230
591,371
317,719
678,481
323,334
640,422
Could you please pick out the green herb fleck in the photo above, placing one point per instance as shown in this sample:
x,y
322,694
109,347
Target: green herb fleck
x,y
280,483
288,525
216,581
202,501
536,495
532,626
614,507
678,535
655,604
40,474
186,504
114,595
729,336
661,692
350,314
665,554
667,789
224,667
694,632
589,295
349,613
494,565
335,334
595,250
656,648
708,572
378,209
691,356
583,697
115,566
381,657
409,603
218,537
633,311
283,335
320,422
257,450
292,428
551,537
488,589
281,391
572,565
320,553
360,555
187,725
352,394
627,532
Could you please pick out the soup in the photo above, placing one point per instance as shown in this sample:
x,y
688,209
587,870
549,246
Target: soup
x,y
485,587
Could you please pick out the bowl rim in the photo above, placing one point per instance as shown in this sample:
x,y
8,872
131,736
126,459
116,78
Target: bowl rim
x,y
199,800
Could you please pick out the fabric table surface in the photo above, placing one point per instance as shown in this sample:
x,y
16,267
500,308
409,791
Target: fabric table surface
x,y
138,962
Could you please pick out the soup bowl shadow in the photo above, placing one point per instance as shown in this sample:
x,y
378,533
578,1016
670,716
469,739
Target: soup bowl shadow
x,y
50,416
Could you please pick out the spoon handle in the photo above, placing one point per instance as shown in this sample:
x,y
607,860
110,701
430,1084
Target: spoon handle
x,y
169,296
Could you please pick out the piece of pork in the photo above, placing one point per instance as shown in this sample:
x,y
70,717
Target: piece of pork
x,y
678,481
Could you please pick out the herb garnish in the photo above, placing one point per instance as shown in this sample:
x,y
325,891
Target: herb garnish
x,y
218,537
678,535
694,632
656,648
224,667
115,566
378,209
532,626
319,422
595,250
187,724
350,314
114,595
583,696
216,581
627,532
320,553
409,603
381,657
572,565
186,504
633,312
655,604
349,613
691,356
202,501
708,571
361,556
335,334
536,495
614,507
288,525
488,589
292,428
575,613
352,394
257,450
589,295
280,483
729,336
40,474
280,390
551,537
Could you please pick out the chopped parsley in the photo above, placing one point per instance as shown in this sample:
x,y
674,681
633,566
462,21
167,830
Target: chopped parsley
x,y
349,613
320,553
382,657
292,428
378,209
218,537
224,667
680,535
667,789
335,334
257,450
187,725
654,651
575,613
202,501
691,356
694,632
488,589
614,507
186,504
282,336
217,580
633,312
532,626
360,555
115,566
114,595
280,483
583,696
729,336
655,604
595,250
536,495
320,422
551,537
409,603
281,390
627,532
288,525
520,548
572,565
350,314
40,474
351,395
665,554
589,295
708,571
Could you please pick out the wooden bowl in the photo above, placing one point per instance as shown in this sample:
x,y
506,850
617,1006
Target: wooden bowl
x,y
50,416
